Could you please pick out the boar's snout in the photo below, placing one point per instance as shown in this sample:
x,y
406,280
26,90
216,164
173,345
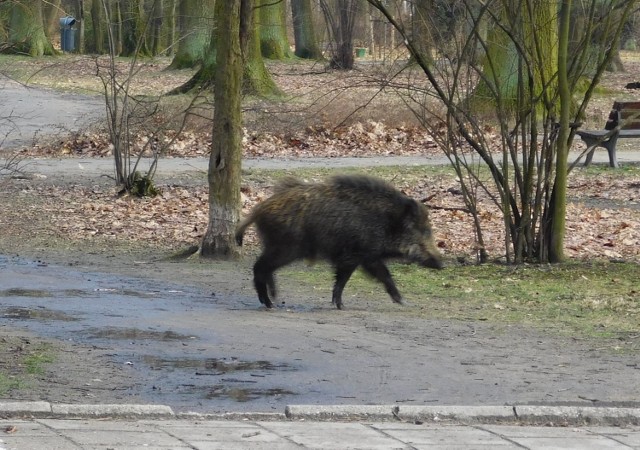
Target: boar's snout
x,y
426,254
432,263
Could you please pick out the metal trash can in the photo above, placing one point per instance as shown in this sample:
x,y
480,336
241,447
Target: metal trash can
x,y
67,34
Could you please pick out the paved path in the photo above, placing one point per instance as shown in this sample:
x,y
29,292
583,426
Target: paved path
x,y
378,427
92,167
32,112
68,434
273,435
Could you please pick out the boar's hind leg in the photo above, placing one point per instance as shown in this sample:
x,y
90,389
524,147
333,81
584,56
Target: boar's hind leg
x,y
343,273
379,271
263,278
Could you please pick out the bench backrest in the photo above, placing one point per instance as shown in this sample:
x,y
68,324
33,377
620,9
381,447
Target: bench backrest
x,y
628,113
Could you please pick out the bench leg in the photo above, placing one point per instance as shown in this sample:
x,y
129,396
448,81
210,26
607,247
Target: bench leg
x,y
610,145
590,142
589,157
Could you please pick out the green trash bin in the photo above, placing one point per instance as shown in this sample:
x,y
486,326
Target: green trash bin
x,y
361,52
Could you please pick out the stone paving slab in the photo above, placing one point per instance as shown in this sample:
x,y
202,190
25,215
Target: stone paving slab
x,y
92,433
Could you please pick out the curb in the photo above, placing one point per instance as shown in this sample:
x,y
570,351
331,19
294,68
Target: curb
x,y
61,410
529,415
409,413
588,415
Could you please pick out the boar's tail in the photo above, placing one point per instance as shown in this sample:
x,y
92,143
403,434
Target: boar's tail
x,y
242,226
287,183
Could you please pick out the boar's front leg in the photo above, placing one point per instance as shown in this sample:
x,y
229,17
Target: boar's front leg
x,y
378,270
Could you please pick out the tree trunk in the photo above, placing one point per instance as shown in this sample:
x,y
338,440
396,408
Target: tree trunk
x,y
274,43
115,15
155,29
226,146
26,29
340,22
80,42
422,25
257,80
559,204
171,27
306,42
195,23
134,29
616,65
52,14
98,38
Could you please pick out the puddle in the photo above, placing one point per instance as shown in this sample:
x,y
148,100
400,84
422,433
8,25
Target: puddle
x,y
127,292
18,292
137,334
241,394
78,293
73,293
36,314
213,366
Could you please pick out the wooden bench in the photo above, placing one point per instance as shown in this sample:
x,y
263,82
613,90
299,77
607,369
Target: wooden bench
x,y
623,122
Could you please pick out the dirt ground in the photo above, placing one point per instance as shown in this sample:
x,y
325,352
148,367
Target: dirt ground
x,y
304,351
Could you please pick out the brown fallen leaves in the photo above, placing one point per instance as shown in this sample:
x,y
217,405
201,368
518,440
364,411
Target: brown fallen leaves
x,y
370,138
603,217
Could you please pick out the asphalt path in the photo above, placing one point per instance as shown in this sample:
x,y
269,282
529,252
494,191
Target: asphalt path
x,y
167,167
27,113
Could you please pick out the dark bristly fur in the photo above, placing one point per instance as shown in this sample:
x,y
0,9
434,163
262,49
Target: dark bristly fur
x,y
349,220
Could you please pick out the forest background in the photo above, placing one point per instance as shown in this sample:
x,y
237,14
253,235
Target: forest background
x,y
379,116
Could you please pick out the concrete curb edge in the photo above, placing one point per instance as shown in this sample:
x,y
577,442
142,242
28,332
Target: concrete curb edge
x,y
543,415
57,410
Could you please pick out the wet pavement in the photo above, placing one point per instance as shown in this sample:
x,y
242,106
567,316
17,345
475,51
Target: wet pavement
x,y
183,347
148,329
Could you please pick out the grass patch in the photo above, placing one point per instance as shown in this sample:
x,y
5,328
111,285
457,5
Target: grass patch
x,y
625,169
21,362
36,361
590,299
9,383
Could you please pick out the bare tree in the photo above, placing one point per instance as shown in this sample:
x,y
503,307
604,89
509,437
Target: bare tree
x,y
505,119
128,119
